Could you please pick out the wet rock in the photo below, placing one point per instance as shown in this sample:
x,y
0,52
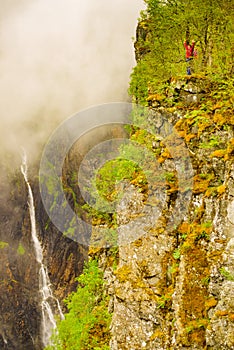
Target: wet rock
x,y
20,309
173,287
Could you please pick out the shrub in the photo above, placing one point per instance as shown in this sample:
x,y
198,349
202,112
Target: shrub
x,y
86,325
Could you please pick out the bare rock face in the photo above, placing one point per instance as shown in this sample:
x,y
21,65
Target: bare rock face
x,y
174,284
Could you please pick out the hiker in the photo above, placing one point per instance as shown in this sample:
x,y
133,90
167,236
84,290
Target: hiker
x,y
189,53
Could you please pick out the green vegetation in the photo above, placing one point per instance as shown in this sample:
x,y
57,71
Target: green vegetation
x,y
176,254
164,26
3,245
226,274
87,321
213,142
112,173
163,301
132,167
197,324
86,325
21,249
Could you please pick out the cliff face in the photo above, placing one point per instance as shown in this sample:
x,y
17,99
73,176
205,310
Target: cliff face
x,y
173,287
20,309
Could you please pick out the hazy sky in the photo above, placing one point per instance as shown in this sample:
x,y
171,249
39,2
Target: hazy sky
x,y
58,57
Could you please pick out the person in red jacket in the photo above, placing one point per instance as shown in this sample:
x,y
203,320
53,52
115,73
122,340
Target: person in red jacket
x,y
189,49
189,52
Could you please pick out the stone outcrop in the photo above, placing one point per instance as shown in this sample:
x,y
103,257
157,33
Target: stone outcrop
x,y
173,286
171,279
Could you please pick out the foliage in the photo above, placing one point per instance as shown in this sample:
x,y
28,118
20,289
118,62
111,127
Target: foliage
x,y
197,324
3,244
213,142
86,325
21,249
176,254
226,274
165,26
106,190
163,301
113,172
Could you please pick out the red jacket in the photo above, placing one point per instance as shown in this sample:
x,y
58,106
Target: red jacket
x,y
189,49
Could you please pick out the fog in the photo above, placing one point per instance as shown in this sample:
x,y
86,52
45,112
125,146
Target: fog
x,y
58,57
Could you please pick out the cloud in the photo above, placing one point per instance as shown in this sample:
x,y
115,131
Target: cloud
x,y
58,57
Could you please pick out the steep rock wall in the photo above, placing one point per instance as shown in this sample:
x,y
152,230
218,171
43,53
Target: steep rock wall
x,y
173,287
20,311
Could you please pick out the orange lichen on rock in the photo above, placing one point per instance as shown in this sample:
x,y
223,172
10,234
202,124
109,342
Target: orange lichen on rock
x,y
201,183
210,302
220,153
194,303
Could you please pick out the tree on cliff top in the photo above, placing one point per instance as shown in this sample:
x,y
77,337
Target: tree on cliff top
x,y
168,22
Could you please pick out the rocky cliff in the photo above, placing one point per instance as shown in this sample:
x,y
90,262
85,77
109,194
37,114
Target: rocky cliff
x,y
20,326
173,287
170,280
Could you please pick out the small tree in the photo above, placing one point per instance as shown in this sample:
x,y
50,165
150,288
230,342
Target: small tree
x,y
86,325
168,23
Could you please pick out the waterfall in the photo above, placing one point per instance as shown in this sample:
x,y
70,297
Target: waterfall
x,y
4,339
48,301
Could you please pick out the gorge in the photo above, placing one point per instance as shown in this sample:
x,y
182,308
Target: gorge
x,y
155,189
36,96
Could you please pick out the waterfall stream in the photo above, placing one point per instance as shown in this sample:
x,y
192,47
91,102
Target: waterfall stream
x,y
49,304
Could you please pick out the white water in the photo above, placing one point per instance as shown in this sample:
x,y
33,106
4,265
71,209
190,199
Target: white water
x,y
48,301
4,339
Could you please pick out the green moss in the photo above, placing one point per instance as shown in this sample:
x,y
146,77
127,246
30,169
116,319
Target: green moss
x,y
213,142
197,324
164,301
225,273
176,254
86,325
21,249
3,244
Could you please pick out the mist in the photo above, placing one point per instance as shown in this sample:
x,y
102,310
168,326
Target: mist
x,y
58,57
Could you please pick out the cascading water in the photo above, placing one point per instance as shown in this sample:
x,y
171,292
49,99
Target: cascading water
x,y
48,301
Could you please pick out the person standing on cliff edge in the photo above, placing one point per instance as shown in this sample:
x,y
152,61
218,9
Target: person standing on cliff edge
x,y
189,53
